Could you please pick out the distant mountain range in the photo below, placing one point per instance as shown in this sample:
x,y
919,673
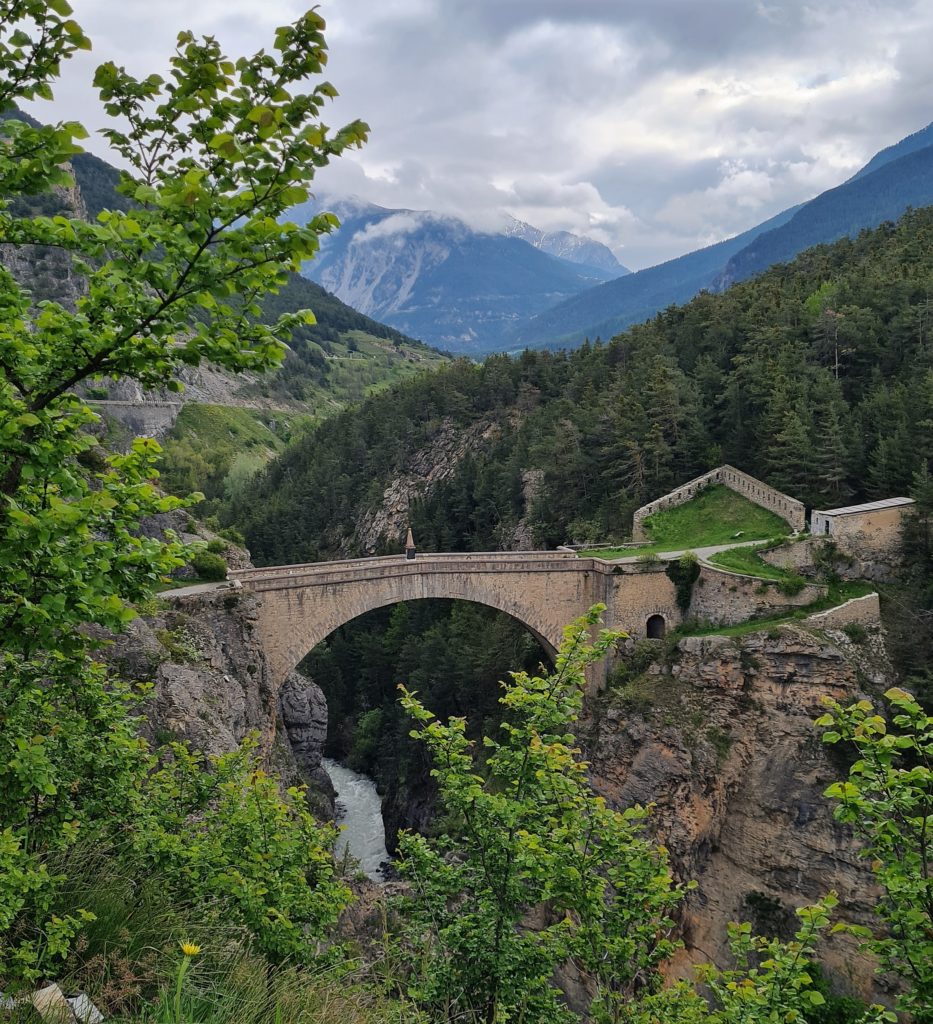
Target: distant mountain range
x,y
894,180
437,279
474,292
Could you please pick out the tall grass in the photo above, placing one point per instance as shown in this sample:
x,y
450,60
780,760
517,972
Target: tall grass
x,y
129,958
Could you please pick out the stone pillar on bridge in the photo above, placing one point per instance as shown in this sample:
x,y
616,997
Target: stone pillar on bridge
x,y
410,549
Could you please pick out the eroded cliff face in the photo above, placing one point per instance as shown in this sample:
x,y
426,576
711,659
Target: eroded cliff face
x,y
423,470
718,734
212,686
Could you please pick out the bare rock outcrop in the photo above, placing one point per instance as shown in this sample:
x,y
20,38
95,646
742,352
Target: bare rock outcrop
x,y
422,471
719,736
211,682
303,708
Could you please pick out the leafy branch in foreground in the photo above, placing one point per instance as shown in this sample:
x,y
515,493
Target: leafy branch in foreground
x,y
888,802
216,155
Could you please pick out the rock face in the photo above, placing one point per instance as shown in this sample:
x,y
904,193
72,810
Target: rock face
x,y
45,271
212,686
303,708
520,537
423,471
720,737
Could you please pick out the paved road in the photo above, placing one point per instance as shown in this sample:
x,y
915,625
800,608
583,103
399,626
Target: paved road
x,y
699,552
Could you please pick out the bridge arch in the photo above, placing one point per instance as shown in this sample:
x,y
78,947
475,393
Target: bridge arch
x,y
547,645
301,605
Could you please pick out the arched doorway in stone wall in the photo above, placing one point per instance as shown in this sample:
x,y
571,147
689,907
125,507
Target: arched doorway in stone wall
x,y
655,627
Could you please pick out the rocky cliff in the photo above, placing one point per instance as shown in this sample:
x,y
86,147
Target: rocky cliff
x,y
211,681
422,471
718,734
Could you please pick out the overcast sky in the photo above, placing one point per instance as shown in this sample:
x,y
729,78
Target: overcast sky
x,y
653,125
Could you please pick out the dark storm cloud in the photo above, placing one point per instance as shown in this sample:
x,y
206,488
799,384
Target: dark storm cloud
x,y
654,126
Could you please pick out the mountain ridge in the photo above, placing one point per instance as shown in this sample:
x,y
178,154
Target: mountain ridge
x,y
896,178
436,278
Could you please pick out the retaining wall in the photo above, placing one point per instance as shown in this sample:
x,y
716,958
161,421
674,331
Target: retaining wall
x,y
865,611
724,598
789,509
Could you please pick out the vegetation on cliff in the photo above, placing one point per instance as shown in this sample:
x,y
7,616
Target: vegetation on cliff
x,y
214,852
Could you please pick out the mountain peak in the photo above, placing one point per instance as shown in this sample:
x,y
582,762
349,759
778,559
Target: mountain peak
x,y
565,245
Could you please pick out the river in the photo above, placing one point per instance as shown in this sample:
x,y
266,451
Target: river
x,y
359,813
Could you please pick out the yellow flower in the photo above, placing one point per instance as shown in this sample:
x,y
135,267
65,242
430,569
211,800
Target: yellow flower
x,y
190,949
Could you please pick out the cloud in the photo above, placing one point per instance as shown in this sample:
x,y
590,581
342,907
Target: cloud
x,y
652,125
396,224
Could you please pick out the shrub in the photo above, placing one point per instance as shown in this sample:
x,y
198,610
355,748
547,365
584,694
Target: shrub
x,y
222,829
683,574
209,566
791,586
232,534
856,632
217,546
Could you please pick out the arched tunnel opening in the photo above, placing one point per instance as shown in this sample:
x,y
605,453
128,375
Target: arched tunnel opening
x,y
454,653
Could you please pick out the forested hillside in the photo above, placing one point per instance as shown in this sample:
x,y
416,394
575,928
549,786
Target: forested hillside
x,y
895,180
815,376
863,202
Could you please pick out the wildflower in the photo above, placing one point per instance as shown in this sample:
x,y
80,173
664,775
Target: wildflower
x,y
190,949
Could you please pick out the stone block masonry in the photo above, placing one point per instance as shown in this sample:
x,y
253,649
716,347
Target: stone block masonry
x,y
723,598
862,611
789,509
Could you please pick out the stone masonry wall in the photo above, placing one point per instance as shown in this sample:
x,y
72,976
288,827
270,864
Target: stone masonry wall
x,y
863,611
789,509
871,534
802,556
724,598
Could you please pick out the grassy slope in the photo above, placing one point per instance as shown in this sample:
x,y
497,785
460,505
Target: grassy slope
x,y
749,562
211,447
716,515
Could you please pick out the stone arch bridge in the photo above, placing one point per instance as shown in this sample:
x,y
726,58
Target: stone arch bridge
x,y
300,605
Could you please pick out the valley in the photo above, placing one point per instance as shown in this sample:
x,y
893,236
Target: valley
x,y
414,616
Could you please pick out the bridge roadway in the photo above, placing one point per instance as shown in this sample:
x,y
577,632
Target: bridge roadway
x,y
300,605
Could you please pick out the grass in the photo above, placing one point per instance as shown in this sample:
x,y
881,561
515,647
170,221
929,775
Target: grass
x,y
127,961
717,515
748,562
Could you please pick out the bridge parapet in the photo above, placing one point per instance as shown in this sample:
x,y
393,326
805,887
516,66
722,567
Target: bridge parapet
x,y
473,561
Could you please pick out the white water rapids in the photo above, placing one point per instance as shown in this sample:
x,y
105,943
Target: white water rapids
x,y
359,814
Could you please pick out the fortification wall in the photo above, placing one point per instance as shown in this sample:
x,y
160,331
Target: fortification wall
x,y
789,509
724,598
864,611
